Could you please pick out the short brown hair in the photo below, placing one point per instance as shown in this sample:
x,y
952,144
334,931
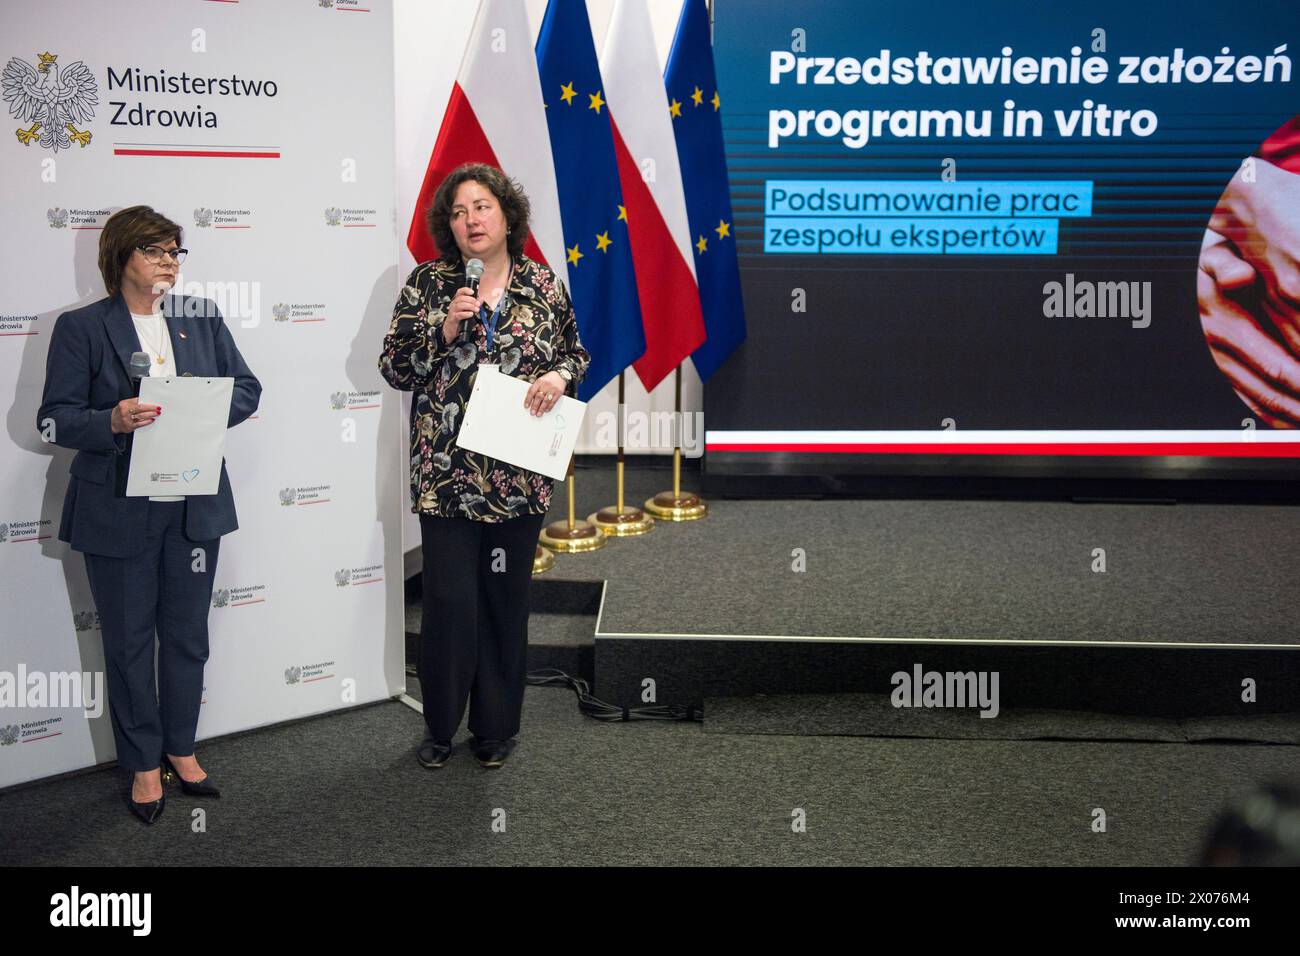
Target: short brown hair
x,y
507,192
124,232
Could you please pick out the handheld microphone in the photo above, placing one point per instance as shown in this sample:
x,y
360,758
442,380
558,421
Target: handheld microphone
x,y
473,273
140,366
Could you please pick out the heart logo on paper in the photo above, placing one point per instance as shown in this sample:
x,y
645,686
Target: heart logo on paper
x,y
190,475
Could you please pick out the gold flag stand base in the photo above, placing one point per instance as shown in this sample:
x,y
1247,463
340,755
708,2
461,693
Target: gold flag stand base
x,y
621,524
543,560
618,520
683,506
571,536
677,505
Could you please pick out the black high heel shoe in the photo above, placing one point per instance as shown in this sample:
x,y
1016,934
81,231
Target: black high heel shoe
x,y
150,810
199,788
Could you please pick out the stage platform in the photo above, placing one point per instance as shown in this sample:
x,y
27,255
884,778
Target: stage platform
x,y
1193,600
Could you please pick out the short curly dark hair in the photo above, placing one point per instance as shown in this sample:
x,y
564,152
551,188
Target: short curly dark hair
x,y
507,192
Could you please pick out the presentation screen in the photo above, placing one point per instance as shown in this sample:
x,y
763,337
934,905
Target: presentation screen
x,y
1011,237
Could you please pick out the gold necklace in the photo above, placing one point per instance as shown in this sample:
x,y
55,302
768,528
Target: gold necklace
x,y
162,344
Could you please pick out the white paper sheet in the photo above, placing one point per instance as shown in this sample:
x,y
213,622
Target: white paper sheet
x,y
180,453
496,424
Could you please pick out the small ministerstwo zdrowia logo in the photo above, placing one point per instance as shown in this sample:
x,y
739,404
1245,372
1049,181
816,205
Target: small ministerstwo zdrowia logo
x,y
4,532
203,217
57,217
292,674
333,216
85,620
221,597
338,401
326,3
54,99
342,577
280,312
8,735
287,496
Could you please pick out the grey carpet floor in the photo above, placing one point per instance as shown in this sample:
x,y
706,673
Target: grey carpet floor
x,y
345,790
988,570
873,715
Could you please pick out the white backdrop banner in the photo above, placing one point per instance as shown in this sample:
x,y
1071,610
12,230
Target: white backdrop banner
x,y
266,130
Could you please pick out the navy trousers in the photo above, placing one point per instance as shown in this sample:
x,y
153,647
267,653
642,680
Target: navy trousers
x,y
474,632
164,590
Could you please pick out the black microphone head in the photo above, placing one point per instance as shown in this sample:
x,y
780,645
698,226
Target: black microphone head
x,y
473,272
140,364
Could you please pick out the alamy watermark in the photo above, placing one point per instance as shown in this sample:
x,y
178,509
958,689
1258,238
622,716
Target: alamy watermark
x,y
53,689
922,688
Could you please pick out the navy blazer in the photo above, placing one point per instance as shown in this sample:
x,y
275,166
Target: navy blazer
x,y
87,374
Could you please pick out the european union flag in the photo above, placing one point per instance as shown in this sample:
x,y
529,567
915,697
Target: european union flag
x,y
601,279
694,104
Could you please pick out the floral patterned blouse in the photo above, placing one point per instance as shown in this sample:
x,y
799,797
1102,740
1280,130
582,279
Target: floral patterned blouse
x,y
536,333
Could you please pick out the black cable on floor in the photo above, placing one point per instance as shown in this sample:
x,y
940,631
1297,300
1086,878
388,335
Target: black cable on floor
x,y
598,709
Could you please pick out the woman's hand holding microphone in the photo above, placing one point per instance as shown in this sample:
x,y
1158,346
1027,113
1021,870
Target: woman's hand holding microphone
x,y
462,308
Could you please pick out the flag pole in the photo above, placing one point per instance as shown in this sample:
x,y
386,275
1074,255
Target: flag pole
x,y
571,535
617,520
677,505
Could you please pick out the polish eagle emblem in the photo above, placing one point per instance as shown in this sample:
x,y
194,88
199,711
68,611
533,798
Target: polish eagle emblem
x,y
342,577
54,99
292,674
57,217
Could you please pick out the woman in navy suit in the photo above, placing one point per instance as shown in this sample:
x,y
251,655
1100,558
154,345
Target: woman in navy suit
x,y
150,561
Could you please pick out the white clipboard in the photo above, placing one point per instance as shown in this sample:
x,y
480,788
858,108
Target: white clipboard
x,y
496,424
180,453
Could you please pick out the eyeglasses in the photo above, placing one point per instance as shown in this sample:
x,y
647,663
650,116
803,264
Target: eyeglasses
x,y
155,254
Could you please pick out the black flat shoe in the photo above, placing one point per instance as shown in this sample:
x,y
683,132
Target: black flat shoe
x,y
433,753
490,753
198,788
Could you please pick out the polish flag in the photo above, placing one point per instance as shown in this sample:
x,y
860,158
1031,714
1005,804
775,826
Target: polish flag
x,y
496,116
653,194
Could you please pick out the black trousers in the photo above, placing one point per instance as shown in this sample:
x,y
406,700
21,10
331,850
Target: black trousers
x,y
474,634
167,590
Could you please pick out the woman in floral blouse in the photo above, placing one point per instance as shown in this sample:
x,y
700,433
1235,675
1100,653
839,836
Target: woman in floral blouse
x,y
479,517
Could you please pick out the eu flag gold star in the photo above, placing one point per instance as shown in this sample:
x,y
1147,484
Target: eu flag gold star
x,y
567,93
698,97
622,213
702,245
603,241
574,255
723,229
716,102
596,101
675,109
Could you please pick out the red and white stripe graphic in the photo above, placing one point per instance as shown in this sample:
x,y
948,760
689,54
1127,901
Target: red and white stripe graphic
x,y
496,115
1218,443
655,204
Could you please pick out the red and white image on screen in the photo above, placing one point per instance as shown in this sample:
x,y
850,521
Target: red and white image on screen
x,y
1248,283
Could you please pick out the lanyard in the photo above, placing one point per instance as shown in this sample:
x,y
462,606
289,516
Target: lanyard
x,y
496,317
